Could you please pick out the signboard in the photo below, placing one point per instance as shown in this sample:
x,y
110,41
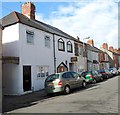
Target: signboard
x,y
73,59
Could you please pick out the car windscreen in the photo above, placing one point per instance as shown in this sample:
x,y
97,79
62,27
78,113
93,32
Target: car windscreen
x,y
107,71
52,77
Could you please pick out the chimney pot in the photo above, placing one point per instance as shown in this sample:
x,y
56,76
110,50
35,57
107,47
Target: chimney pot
x,y
111,48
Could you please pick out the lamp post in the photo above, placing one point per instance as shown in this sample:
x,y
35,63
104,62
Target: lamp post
x,y
84,50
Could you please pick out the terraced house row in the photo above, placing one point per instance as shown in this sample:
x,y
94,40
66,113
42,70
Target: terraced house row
x,y
32,50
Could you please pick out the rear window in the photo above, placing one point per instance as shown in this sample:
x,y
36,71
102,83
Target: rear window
x,y
101,71
52,77
107,71
67,75
83,74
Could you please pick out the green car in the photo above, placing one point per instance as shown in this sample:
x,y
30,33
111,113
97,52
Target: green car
x,y
63,82
88,76
92,76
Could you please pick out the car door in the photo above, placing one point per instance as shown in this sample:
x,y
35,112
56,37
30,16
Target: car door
x,y
72,80
94,75
68,79
78,79
97,76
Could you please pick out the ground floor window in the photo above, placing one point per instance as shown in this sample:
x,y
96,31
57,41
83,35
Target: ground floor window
x,y
42,71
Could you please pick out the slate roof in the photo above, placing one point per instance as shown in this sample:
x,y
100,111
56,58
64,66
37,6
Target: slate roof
x,y
1,27
93,48
16,17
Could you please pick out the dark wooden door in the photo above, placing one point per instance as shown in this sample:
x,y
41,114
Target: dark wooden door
x,y
27,78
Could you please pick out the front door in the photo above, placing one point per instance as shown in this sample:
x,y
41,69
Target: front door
x,y
71,66
26,78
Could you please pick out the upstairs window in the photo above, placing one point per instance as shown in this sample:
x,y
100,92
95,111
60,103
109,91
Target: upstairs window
x,y
61,45
47,41
76,50
30,37
69,47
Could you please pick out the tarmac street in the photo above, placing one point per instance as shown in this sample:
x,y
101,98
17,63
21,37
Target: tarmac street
x,y
101,97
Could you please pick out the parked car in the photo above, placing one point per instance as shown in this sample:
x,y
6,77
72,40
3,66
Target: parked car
x,y
92,76
63,82
104,74
119,70
88,76
110,74
97,76
114,71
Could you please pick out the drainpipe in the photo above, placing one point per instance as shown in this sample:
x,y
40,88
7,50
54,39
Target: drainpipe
x,y
1,94
54,53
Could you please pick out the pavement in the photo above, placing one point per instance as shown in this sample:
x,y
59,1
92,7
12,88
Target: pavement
x,y
14,102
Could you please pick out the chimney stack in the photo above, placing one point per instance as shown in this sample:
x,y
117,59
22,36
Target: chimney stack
x,y
90,42
111,48
28,9
105,46
116,51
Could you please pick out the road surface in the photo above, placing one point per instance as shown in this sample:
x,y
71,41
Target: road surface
x,y
96,98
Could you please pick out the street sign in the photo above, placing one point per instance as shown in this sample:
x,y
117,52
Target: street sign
x,y
73,59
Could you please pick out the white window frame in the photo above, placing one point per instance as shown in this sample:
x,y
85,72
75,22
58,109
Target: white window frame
x,y
42,71
69,47
47,41
30,37
61,45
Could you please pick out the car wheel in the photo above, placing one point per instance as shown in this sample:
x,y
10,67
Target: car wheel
x,y
84,84
94,81
49,94
67,89
101,79
107,77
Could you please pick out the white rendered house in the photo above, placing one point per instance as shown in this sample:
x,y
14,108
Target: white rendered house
x,y
33,50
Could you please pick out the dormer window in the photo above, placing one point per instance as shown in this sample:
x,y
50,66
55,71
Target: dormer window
x,y
61,45
69,47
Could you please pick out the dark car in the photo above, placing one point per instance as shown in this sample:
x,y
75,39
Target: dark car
x,y
97,76
92,76
104,74
110,74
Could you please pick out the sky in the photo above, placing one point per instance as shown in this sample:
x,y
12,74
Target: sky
x,y
97,19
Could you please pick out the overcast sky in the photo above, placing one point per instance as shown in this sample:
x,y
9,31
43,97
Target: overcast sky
x,y
97,19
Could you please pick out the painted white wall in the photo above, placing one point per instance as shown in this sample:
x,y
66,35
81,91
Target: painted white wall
x,y
63,56
35,54
11,78
11,84
10,41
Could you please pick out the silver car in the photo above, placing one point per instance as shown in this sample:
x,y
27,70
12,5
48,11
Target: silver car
x,y
63,82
